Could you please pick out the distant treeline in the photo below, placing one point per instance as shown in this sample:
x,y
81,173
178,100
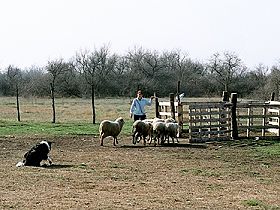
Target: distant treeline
x,y
101,73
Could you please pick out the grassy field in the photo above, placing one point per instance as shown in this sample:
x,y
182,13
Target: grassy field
x,y
221,175
73,116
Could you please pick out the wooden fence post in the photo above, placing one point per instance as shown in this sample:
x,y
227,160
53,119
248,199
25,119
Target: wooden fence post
x,y
172,106
225,96
157,107
234,129
272,97
178,91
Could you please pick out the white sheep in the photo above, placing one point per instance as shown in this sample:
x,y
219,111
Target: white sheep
x,y
110,128
159,131
142,129
168,120
155,120
172,130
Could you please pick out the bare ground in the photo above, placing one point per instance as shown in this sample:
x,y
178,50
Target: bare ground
x,y
185,176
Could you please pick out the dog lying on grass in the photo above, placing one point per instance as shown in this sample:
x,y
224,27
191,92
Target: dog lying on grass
x,y
36,154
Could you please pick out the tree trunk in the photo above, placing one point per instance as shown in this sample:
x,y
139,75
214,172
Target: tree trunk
x,y
226,87
92,104
18,113
53,102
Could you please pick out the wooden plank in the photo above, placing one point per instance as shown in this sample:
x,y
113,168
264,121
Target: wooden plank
x,y
257,116
207,120
277,111
260,105
211,132
167,114
257,127
274,102
193,113
206,106
166,103
209,126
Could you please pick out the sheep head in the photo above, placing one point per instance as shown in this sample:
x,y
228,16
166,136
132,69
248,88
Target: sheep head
x,y
120,121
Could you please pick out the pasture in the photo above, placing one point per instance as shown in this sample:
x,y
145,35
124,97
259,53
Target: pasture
x,y
220,175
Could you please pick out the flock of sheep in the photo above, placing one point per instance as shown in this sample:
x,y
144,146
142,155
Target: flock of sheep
x,y
157,130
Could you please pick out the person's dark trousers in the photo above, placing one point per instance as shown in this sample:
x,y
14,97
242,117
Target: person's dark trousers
x,y
139,117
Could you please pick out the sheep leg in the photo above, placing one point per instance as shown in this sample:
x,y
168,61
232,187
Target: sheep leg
x,y
134,137
139,136
162,139
144,141
158,138
151,139
101,139
115,141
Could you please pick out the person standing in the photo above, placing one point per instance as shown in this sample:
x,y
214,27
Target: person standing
x,y
137,108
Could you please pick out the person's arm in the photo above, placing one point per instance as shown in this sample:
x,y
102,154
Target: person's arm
x,y
149,101
132,107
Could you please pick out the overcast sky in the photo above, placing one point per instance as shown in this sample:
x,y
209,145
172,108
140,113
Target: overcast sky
x,y
34,32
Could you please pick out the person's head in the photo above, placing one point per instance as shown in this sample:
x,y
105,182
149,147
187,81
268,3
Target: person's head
x,y
139,94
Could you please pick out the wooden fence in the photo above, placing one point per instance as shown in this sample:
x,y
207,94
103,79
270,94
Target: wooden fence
x,y
258,119
209,121
223,120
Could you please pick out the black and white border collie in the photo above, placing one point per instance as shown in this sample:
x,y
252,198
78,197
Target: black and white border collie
x,y
36,154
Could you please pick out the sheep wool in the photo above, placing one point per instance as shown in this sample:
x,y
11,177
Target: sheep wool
x,y
172,130
142,129
159,131
110,128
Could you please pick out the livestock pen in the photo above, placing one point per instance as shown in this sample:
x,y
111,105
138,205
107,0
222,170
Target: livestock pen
x,y
223,120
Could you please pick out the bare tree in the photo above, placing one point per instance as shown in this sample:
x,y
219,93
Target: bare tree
x,y
145,66
121,73
226,69
274,80
95,67
55,68
15,76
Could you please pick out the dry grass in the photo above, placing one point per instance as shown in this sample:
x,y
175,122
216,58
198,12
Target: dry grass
x,y
73,109
85,175
67,110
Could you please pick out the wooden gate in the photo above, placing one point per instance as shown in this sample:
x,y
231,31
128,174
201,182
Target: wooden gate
x,y
256,119
209,121
216,121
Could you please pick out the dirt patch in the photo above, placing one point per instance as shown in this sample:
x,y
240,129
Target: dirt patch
x,y
185,176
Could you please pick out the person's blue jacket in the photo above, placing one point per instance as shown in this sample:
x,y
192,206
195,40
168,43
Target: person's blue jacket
x,y
138,106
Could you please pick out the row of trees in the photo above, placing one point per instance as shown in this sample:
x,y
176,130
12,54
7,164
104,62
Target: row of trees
x,y
101,73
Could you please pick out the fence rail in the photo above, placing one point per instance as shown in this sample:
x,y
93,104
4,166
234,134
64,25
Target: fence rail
x,y
209,121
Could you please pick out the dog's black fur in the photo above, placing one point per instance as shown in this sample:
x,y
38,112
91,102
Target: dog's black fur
x,y
36,154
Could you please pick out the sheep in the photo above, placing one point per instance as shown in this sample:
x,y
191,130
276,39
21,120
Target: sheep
x,y
142,129
159,131
172,130
155,120
168,120
110,128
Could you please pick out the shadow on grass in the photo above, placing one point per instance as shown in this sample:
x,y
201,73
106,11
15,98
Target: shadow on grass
x,y
58,166
201,146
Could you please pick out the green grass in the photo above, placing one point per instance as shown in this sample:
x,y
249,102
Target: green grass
x,y
9,128
270,150
257,203
253,202
73,116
